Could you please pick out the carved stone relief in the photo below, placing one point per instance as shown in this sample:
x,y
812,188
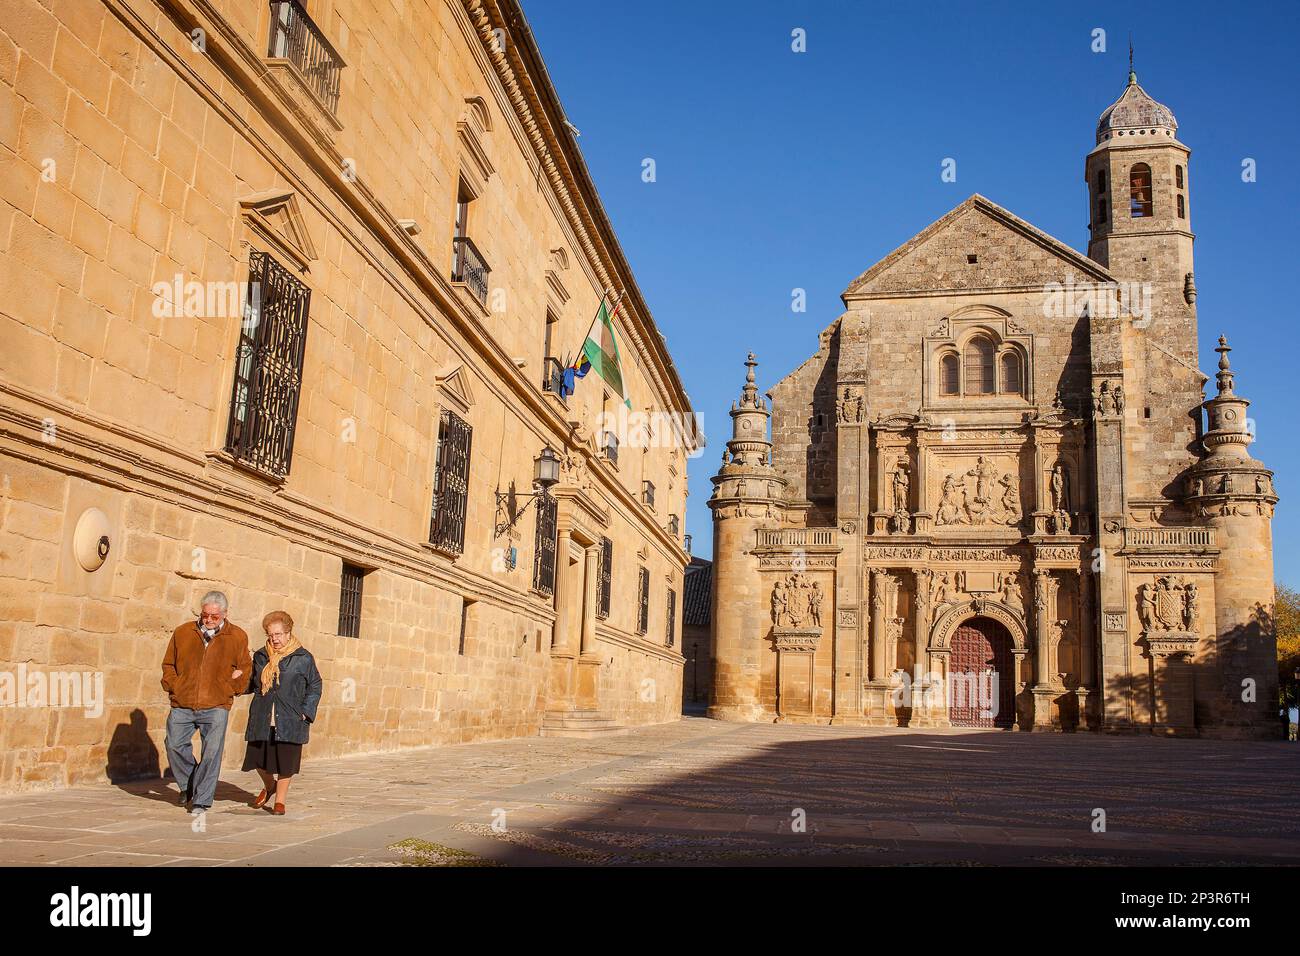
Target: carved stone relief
x,y
1170,604
983,495
797,603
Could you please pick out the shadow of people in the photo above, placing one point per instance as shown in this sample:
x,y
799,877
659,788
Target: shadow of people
x,y
131,754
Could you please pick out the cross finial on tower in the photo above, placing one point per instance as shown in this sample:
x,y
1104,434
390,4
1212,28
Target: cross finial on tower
x,y
1132,75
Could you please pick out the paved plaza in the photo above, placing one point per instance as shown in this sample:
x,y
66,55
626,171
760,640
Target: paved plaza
x,y
703,792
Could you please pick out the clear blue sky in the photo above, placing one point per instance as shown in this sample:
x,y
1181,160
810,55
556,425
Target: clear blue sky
x,y
778,170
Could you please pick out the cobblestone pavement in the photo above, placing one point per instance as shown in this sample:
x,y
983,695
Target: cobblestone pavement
x,y
703,792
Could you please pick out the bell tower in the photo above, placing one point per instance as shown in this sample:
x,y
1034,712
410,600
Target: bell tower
x,y
1138,180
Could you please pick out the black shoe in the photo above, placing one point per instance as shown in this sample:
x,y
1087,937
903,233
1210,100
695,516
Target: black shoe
x,y
183,798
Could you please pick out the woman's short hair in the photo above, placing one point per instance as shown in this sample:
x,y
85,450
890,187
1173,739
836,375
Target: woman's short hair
x,y
278,617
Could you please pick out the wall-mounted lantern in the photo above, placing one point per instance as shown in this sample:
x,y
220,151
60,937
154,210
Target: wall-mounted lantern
x,y
546,474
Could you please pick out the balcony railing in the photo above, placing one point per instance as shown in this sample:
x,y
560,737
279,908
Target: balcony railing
x,y
470,267
1169,537
553,377
795,537
296,38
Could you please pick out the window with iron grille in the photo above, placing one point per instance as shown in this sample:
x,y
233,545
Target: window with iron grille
x,y
671,637
606,576
268,368
544,545
643,612
450,483
350,600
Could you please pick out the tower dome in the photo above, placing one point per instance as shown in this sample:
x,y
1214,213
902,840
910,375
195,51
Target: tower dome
x,y
1135,113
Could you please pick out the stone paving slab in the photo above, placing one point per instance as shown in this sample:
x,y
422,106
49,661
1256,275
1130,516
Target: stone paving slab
x,y
701,792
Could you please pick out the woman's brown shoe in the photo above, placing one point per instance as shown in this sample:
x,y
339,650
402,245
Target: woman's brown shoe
x,y
261,800
279,810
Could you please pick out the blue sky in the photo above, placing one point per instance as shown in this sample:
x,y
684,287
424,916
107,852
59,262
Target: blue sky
x,y
778,170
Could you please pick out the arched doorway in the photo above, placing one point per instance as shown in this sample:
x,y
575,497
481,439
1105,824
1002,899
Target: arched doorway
x,y
981,648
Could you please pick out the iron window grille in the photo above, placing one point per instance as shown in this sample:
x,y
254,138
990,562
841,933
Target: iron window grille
x,y
451,483
643,611
610,447
671,636
296,38
268,368
544,545
606,576
350,600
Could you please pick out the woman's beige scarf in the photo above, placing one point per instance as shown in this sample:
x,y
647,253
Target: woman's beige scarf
x,y
271,672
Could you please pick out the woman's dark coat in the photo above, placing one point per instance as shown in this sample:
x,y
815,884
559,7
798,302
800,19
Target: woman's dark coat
x,y
295,695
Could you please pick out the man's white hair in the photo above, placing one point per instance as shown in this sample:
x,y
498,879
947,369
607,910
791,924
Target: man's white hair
x,y
217,598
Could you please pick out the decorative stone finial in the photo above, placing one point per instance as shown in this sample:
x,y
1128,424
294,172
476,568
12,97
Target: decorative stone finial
x,y
1225,373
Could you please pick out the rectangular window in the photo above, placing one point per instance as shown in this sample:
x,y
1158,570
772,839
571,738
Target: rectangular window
x,y
465,605
544,545
468,265
648,493
606,577
450,483
350,600
268,368
671,637
643,611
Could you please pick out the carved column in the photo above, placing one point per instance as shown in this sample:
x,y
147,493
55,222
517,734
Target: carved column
x,y
1044,691
588,661
561,678
879,636
920,640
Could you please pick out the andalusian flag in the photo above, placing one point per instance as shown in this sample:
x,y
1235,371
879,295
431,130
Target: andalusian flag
x,y
600,352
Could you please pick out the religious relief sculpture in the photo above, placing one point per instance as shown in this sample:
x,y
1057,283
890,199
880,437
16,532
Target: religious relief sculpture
x,y
943,589
1060,489
901,522
1168,605
849,408
979,502
796,600
1009,589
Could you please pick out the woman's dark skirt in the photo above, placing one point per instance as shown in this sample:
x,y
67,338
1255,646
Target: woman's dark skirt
x,y
273,756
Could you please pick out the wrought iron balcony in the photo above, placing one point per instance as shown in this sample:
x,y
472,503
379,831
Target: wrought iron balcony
x,y
470,267
553,377
296,38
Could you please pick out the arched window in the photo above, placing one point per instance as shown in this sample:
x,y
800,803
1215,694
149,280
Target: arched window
x,y
949,374
1139,191
1012,382
979,367
1178,177
1182,207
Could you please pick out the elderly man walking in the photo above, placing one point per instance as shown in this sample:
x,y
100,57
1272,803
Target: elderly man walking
x,y
206,664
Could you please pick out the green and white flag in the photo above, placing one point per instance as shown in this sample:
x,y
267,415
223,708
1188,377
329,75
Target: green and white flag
x,y
600,351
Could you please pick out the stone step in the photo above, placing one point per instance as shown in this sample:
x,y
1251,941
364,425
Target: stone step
x,y
580,723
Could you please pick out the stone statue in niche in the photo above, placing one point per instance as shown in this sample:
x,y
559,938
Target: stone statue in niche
x,y
902,483
1060,489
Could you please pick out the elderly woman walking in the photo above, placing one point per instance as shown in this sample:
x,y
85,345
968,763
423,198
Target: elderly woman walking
x,y
286,688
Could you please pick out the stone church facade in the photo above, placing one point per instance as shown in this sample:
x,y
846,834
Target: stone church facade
x,y
996,495
283,290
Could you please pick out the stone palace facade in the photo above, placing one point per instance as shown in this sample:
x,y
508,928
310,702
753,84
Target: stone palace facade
x,y
996,495
283,290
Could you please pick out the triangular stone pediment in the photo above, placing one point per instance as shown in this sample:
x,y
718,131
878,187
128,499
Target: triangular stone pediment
x,y
454,382
1008,253
277,214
